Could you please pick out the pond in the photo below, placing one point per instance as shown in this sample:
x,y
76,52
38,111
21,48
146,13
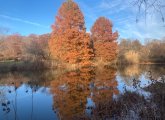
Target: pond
x,y
127,92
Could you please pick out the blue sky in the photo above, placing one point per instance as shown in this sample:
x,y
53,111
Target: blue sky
x,y
36,16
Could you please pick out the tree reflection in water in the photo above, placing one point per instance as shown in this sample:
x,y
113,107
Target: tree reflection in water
x,y
73,89
18,95
105,85
143,99
131,92
70,92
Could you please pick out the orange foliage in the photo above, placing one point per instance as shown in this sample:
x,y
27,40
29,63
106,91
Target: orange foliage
x,y
106,51
69,16
70,93
106,85
69,42
104,39
72,89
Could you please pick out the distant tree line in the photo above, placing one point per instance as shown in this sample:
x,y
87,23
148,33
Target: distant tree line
x,y
132,51
17,47
70,43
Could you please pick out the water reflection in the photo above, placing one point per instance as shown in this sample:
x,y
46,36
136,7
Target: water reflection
x,y
105,85
71,91
141,95
97,93
22,96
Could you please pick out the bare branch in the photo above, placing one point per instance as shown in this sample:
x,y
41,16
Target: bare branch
x,y
144,7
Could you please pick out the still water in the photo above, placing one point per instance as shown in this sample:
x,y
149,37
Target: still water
x,y
132,92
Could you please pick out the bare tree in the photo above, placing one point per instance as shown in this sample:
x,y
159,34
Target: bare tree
x,y
38,46
146,6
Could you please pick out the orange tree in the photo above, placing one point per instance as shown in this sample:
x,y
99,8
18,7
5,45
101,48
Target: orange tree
x,y
105,45
69,41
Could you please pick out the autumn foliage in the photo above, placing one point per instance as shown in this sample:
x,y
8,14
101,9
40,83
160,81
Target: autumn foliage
x,y
69,41
73,89
70,93
105,45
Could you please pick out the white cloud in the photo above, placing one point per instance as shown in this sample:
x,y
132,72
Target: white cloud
x,y
105,4
141,30
110,7
124,17
23,21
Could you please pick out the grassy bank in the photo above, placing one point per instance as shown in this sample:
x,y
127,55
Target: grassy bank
x,y
11,66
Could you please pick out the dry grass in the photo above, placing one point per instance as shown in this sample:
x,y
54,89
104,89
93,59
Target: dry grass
x,y
14,66
101,64
132,70
132,56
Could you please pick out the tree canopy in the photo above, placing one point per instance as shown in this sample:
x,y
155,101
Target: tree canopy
x,y
69,41
105,45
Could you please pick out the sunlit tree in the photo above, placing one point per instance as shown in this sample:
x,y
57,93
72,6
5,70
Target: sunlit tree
x,y
69,41
105,45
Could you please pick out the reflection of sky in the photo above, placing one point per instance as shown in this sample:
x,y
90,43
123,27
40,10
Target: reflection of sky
x,y
144,82
128,85
41,102
90,103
